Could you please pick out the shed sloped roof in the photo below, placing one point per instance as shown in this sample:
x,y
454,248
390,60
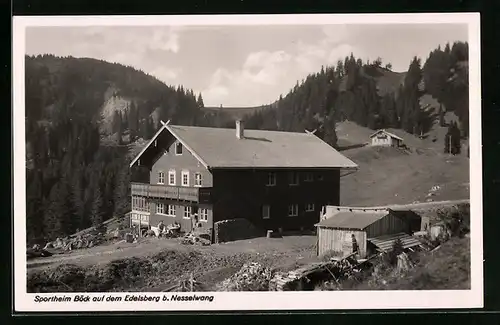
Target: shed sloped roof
x,y
386,242
352,220
220,148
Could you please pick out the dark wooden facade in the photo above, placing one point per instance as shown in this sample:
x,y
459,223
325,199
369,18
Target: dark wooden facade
x,y
242,193
229,193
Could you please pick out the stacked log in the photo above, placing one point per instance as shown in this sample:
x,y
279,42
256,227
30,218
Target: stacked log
x,y
251,277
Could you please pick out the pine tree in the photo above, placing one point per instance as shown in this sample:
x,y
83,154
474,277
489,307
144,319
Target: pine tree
x,y
456,140
34,208
121,193
448,139
133,122
119,133
96,212
411,118
57,217
452,140
199,101
77,198
124,119
116,124
340,69
441,116
328,132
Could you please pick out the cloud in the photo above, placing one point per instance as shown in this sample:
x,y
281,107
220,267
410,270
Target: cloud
x,y
240,65
216,95
264,75
340,52
165,40
260,72
333,46
126,45
165,74
335,33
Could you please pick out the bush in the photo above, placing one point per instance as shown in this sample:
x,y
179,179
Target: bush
x,y
457,220
391,257
328,255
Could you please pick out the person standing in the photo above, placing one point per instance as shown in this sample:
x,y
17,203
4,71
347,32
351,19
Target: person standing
x,y
355,247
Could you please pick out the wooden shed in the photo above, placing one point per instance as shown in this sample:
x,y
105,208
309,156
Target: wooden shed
x,y
335,231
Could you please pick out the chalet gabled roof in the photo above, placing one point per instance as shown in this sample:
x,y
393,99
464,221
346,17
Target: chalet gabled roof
x,y
392,135
220,148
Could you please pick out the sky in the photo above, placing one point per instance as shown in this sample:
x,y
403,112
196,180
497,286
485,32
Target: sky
x,y
242,65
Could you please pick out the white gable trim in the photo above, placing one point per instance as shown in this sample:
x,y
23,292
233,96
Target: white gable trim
x,y
388,133
148,144
166,127
185,145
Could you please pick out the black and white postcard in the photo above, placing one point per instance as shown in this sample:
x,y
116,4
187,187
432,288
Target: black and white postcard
x,y
247,162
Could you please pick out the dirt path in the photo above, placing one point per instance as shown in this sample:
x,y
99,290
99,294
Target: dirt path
x,y
156,264
151,246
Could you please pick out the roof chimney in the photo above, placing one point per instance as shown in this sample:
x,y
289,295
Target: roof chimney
x,y
240,129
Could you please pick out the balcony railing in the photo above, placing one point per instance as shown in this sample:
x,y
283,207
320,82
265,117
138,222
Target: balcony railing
x,y
196,194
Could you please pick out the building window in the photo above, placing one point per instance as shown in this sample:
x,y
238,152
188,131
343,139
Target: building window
x,y
171,177
266,212
197,179
160,208
293,178
203,214
185,178
171,210
309,177
178,148
187,212
271,179
293,210
310,207
140,204
161,178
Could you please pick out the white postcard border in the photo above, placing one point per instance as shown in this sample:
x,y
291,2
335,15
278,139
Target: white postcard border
x,y
303,300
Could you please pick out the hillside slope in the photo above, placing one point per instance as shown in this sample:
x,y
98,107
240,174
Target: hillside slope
x,y
387,81
57,87
394,176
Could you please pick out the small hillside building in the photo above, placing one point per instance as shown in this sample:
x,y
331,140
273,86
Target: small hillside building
x,y
275,180
384,138
371,229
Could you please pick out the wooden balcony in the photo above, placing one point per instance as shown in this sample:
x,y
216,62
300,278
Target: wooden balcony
x,y
195,194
